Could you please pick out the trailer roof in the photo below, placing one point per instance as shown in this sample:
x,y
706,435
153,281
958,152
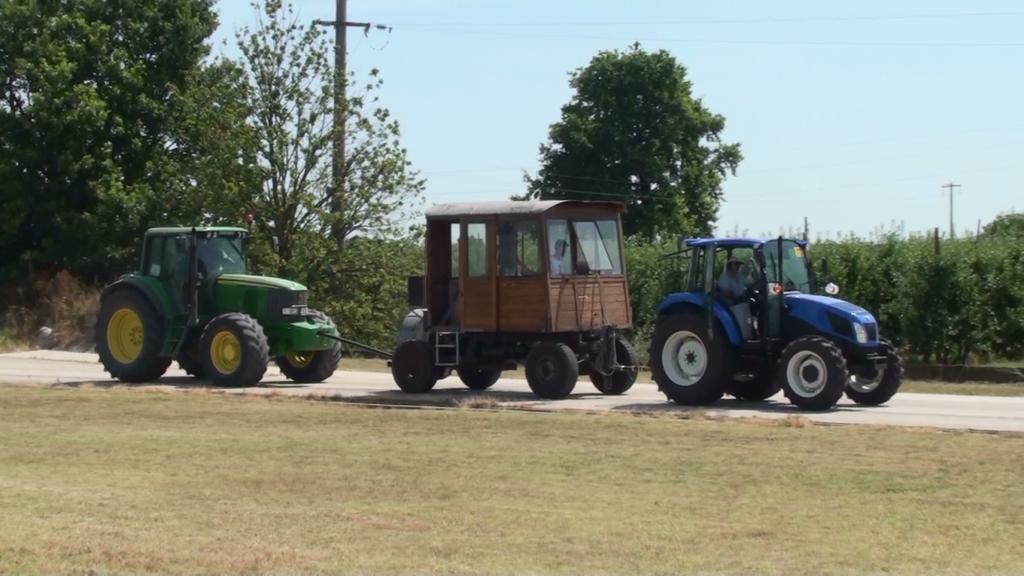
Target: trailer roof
x,y
450,210
737,242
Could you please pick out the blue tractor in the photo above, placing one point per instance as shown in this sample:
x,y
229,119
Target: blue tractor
x,y
748,324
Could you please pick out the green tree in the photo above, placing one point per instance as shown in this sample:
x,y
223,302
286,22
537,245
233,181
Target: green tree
x,y
634,132
1009,226
291,101
89,96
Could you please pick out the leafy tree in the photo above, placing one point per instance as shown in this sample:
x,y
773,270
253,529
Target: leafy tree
x,y
291,98
89,91
633,132
1010,226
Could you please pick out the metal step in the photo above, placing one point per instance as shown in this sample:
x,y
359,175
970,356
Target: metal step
x,y
446,344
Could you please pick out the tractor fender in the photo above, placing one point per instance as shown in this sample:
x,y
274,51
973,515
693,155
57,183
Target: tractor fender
x,y
678,302
133,282
413,326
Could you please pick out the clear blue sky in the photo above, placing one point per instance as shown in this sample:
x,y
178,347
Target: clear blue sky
x,y
851,114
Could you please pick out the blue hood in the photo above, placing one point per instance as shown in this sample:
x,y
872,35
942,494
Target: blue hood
x,y
827,315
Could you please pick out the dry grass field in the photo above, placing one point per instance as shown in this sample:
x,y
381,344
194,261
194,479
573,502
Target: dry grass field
x,y
120,481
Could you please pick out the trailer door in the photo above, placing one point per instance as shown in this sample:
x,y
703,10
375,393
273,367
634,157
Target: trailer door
x,y
478,287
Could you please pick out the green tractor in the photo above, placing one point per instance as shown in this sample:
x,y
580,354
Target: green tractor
x,y
193,301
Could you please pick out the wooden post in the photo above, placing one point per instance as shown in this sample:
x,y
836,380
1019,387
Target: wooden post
x,y
936,240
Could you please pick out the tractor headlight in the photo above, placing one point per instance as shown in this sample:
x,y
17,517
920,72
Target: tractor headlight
x,y
861,332
297,310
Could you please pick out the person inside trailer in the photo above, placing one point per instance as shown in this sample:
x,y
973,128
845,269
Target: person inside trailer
x,y
558,264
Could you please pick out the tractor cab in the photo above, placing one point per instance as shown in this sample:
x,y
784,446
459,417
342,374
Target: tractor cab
x,y
754,302
540,282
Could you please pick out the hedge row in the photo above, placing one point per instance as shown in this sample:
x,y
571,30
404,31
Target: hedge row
x,y
962,304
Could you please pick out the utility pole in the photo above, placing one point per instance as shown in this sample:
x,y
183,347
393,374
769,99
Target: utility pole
x,y
341,26
807,230
951,187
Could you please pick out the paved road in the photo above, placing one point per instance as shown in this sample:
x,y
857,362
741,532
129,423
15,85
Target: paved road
x,y
926,410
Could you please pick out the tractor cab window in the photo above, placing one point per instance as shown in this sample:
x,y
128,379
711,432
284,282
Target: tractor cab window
x,y
220,254
749,271
793,265
598,248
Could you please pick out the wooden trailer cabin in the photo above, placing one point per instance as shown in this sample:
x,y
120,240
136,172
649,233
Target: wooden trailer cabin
x,y
530,266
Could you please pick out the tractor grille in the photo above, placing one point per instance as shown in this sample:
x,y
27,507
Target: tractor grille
x,y
278,299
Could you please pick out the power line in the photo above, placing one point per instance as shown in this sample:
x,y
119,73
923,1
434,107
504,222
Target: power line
x,y
950,186
710,21
736,42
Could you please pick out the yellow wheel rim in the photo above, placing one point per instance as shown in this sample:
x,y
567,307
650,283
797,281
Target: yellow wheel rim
x,y
125,335
225,352
300,359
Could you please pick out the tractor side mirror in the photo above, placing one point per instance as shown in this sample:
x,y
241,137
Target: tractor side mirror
x,y
831,289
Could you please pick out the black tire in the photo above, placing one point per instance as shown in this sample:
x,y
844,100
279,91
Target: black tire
x,y
218,359
147,363
812,373
188,360
759,387
311,366
620,381
688,385
412,367
889,380
551,370
479,378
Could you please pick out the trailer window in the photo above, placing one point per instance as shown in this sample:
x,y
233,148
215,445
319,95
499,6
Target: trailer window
x,y
599,245
476,249
518,248
559,248
456,233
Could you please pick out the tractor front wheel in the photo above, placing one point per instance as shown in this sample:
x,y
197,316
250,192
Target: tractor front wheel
x,y
872,389
619,381
479,378
129,334
551,370
688,367
412,367
233,350
812,373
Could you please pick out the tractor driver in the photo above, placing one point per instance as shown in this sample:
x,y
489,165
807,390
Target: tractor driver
x,y
730,285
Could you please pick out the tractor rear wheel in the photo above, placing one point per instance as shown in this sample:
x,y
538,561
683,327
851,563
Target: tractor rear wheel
x,y
412,367
479,378
312,365
129,335
688,367
812,373
878,388
233,350
619,381
551,370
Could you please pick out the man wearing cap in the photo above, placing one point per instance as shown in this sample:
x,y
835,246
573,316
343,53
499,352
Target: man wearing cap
x,y
730,284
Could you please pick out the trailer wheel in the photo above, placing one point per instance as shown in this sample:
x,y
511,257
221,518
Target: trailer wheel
x,y
412,367
129,333
234,350
812,373
551,370
620,381
688,367
479,378
878,388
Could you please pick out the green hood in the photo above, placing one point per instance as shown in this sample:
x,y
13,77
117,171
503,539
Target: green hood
x,y
259,282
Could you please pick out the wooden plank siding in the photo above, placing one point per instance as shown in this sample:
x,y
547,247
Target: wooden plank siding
x,y
576,303
522,304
